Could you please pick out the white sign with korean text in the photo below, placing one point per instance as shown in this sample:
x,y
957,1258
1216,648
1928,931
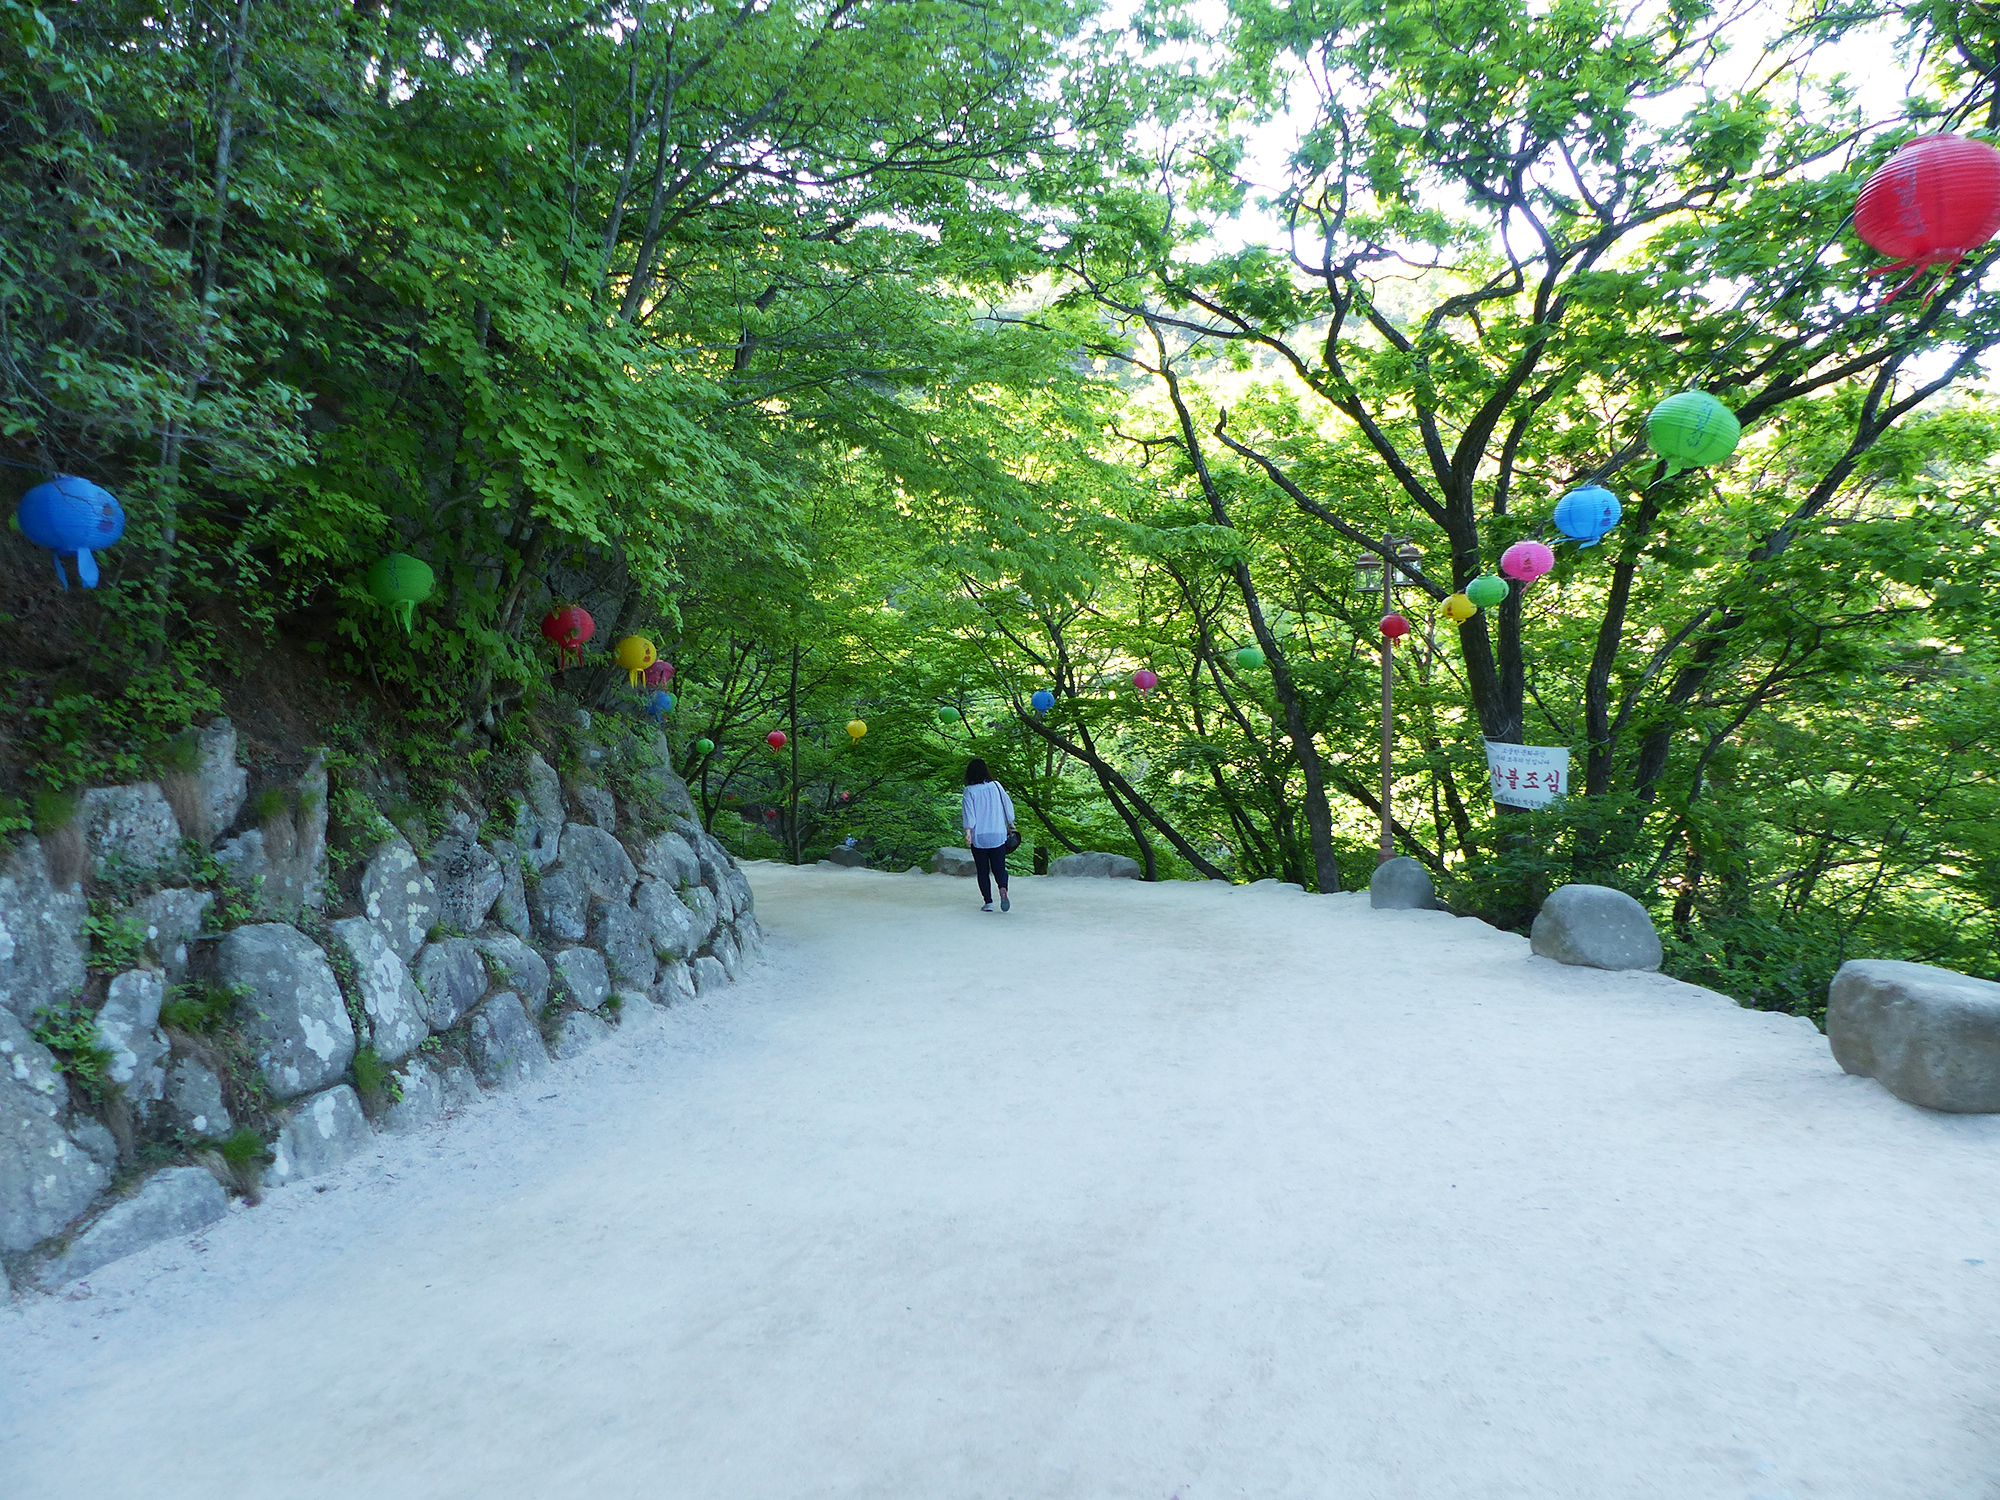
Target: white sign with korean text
x,y
1528,775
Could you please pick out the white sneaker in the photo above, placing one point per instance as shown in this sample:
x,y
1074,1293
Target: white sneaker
x,y
987,907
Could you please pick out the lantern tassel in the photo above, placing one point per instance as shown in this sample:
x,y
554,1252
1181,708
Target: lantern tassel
x,y
61,577
86,568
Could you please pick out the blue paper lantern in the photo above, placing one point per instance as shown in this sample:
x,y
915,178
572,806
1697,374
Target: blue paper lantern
x,y
660,704
1044,700
1585,515
71,515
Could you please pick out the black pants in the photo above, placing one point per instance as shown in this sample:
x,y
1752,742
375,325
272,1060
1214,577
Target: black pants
x,y
993,861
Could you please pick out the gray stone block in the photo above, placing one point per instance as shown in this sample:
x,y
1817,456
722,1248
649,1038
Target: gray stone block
x,y
560,904
388,994
171,919
325,1131
635,1012
450,978
1094,863
1929,1036
293,1016
600,806
194,1093
953,859
675,984
852,859
515,966
222,784
46,1179
599,861
670,858
625,939
510,909
1401,884
399,898
130,827
1596,927
128,1027
468,881
580,1031
709,975
539,819
177,1201
704,916
505,1046
584,974
670,926
41,933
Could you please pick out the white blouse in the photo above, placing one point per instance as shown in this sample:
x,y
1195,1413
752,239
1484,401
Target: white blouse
x,y
988,811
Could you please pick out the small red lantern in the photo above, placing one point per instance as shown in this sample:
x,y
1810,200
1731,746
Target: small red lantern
x,y
1145,680
1395,627
775,739
659,674
1931,204
569,627
843,796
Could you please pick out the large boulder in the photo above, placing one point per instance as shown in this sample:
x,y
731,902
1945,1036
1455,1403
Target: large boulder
x,y
128,1028
600,862
1595,927
1093,864
852,859
538,820
398,897
293,1016
670,858
709,975
180,1200
129,829
41,933
1401,884
953,859
671,927
583,975
560,903
723,947
396,1012
1929,1036
171,919
505,1046
450,978
46,1179
467,879
625,939
323,1132
515,966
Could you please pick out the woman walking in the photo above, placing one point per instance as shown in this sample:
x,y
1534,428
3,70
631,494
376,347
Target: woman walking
x,y
989,830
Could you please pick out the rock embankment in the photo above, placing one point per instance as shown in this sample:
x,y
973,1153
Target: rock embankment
x,y
187,1000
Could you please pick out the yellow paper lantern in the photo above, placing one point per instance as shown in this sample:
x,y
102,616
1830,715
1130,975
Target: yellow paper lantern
x,y
635,653
855,729
1460,609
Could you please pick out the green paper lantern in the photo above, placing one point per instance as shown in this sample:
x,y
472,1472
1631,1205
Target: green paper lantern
x,y
1250,659
704,746
1487,590
1691,429
947,715
402,583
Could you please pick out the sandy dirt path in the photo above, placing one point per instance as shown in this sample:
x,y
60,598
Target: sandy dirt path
x,y
1160,1192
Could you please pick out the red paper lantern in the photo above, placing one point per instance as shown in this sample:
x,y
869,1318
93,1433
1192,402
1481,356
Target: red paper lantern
x,y
1931,204
569,627
659,674
1395,627
775,739
1145,680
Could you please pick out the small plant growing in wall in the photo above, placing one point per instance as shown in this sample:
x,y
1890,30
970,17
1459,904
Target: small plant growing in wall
x,y
117,942
237,1161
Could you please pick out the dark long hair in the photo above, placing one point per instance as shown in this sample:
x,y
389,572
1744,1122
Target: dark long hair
x,y
976,772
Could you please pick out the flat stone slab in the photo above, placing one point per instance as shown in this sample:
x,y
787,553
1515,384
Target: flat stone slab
x,y
1929,1036
180,1200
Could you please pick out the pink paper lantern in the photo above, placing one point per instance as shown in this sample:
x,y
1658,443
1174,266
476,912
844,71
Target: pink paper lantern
x,y
1145,680
1527,561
